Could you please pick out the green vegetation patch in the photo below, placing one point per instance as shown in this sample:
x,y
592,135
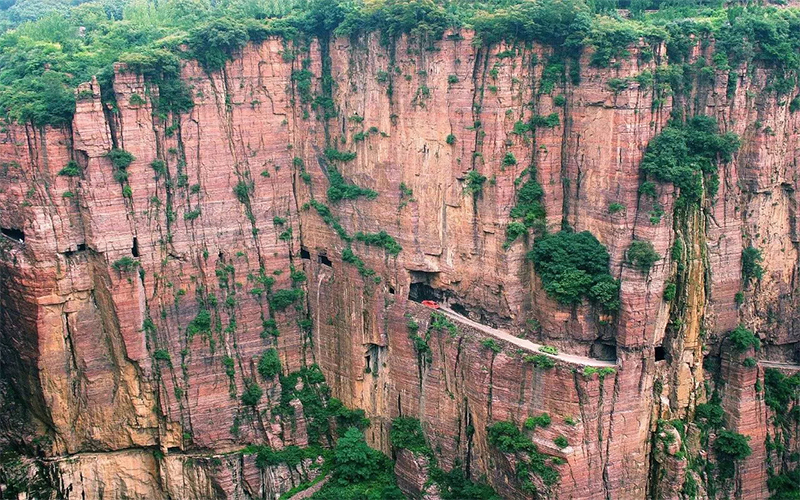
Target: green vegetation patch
x,y
574,266
683,153
506,437
341,190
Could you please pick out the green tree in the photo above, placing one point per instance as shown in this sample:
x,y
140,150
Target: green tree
x,y
269,364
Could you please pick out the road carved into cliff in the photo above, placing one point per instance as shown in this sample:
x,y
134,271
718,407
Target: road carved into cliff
x,y
779,365
525,344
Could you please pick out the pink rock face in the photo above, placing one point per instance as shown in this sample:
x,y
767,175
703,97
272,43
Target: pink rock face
x,y
218,202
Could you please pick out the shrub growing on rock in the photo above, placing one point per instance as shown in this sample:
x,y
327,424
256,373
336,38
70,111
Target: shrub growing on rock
x,y
574,266
269,364
641,255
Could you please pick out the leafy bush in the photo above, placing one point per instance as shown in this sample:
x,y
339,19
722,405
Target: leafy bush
x,y
610,39
780,391
201,324
125,264
561,442
454,485
641,255
506,437
451,139
542,420
492,345
684,152
380,239
120,158
343,156
550,121
192,215
669,292
615,208
406,432
710,414
162,355
549,350
529,208
215,41
751,264
561,24
341,190
574,266
509,159
474,182
242,192
732,445
743,339
282,299
359,471
269,364
71,169
252,394
540,361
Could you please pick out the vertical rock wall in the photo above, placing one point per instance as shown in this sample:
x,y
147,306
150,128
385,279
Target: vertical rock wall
x,y
109,360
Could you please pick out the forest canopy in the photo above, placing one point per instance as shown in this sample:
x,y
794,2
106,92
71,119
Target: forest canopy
x,y
49,47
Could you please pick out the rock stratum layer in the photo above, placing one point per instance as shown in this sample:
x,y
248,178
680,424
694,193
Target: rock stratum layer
x,y
126,394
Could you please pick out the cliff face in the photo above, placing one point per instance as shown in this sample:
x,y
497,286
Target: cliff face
x,y
114,360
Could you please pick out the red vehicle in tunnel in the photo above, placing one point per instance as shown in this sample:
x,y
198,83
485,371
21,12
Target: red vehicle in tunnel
x,y
430,303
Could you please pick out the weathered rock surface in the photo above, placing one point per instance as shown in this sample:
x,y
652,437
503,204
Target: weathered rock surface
x,y
79,336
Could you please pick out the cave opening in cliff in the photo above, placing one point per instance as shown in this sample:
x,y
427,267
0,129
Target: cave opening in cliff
x,y
324,260
135,247
374,358
459,309
660,353
423,291
603,350
304,253
12,233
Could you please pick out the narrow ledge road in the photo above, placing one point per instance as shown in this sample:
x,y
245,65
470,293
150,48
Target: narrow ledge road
x,y
524,344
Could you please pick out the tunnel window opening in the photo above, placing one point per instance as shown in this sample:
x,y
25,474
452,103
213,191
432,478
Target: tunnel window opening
x,y
459,309
421,288
81,247
15,234
604,351
660,353
373,358
422,291
304,253
391,290
221,255
135,247
324,260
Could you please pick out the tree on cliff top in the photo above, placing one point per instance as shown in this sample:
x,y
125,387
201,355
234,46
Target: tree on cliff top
x,y
43,61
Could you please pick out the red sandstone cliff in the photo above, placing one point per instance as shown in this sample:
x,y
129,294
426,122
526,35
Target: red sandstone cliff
x,y
72,332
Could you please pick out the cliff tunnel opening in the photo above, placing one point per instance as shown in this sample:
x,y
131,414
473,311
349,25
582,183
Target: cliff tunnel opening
x,y
659,353
423,291
304,253
18,235
604,350
460,309
374,358
135,247
324,260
